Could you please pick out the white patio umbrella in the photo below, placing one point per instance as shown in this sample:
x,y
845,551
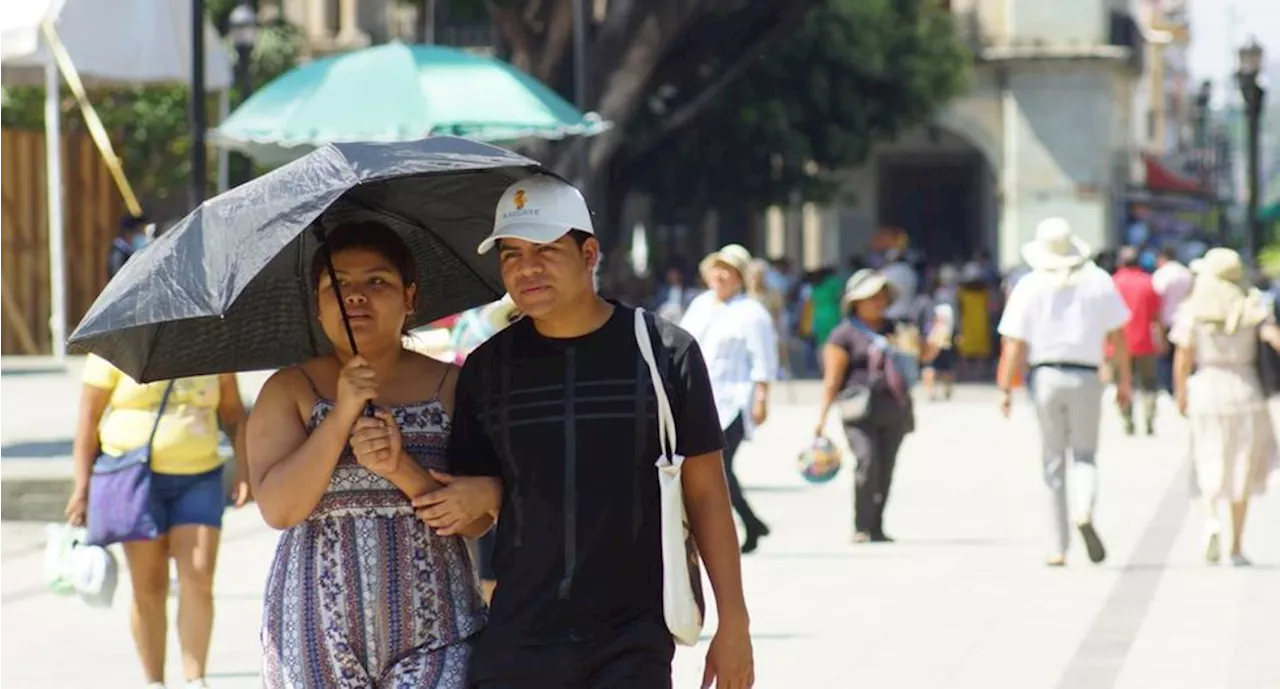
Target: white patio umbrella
x,y
120,42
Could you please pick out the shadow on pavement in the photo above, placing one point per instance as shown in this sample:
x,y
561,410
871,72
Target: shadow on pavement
x,y
37,449
36,371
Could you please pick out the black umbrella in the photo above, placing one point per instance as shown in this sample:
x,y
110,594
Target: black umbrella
x,y
228,288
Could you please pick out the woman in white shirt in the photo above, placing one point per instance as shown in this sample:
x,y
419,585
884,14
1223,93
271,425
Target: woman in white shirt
x,y
738,340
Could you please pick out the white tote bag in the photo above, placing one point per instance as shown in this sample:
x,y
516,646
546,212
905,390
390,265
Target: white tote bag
x,y
682,602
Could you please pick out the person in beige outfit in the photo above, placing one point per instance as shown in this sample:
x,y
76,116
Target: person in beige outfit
x,y
1233,445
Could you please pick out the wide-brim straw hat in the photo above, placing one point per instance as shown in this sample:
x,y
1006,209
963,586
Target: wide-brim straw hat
x,y
1055,248
735,256
867,283
1222,263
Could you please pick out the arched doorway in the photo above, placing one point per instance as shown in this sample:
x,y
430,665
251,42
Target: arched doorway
x,y
941,189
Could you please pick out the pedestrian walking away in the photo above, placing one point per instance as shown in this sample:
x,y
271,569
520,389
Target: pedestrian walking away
x,y
560,405
1144,334
1056,321
1172,281
864,383
1233,443
739,342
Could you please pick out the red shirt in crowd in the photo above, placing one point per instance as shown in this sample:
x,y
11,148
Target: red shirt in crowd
x,y
1134,286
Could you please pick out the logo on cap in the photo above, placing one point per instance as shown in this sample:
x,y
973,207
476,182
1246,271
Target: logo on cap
x,y
519,199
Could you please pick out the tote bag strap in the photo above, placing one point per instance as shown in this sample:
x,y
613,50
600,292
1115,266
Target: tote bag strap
x,y
666,421
164,402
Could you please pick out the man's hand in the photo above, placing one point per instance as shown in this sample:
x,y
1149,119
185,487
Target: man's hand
x,y
1181,398
729,659
1006,403
1124,392
759,410
462,501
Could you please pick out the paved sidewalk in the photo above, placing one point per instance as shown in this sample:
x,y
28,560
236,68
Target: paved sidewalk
x,y
960,601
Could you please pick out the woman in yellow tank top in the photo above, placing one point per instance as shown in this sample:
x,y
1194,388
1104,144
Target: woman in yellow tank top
x,y
187,496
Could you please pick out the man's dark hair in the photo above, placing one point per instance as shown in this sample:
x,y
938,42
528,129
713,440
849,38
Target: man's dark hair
x,y
371,236
1169,253
580,237
132,224
1128,257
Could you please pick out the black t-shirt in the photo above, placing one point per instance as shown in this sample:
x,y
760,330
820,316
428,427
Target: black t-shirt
x,y
571,427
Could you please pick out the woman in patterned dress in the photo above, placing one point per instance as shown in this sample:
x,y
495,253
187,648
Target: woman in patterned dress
x,y
361,593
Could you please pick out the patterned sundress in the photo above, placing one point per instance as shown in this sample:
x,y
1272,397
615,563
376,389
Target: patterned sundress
x,y
362,594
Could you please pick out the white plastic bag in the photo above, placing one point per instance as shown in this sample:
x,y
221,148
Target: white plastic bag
x,y
71,567
95,574
682,602
60,540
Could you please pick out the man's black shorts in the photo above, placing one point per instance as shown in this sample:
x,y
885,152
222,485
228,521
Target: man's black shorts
x,y
634,656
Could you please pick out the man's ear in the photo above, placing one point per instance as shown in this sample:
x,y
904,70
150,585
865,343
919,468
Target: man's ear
x,y
591,252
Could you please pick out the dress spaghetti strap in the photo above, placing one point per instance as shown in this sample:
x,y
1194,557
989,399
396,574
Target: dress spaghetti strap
x,y
310,381
443,379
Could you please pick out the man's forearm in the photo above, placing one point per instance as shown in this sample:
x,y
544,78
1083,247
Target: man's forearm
x,y
1012,358
1120,356
706,497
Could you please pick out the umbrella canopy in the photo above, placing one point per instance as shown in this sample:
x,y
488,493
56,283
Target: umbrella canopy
x,y
228,288
1270,213
111,43
397,92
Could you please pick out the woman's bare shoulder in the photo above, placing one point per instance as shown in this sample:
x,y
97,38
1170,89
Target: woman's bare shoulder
x,y
293,384
441,376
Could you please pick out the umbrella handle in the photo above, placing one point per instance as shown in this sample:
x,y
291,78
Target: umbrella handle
x,y
342,309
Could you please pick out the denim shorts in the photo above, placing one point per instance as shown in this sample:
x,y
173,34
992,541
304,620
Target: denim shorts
x,y
178,499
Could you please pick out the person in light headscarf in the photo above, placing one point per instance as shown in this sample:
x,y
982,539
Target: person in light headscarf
x,y
1233,445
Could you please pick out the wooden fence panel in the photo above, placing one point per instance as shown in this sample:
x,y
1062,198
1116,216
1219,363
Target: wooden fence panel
x,y
91,210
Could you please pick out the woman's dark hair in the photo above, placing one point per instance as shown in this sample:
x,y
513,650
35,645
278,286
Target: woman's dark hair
x,y
371,236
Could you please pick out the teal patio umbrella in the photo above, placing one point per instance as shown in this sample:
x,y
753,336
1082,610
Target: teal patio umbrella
x,y
397,92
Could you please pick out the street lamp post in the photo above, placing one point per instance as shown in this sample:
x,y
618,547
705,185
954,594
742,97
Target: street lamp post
x,y
1200,124
198,117
243,27
1250,65
580,95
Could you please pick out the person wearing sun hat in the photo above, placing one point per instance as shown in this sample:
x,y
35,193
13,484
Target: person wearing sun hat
x,y
560,406
1056,321
1233,445
863,378
740,344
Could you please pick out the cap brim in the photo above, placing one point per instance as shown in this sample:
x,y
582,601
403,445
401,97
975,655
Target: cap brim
x,y
538,233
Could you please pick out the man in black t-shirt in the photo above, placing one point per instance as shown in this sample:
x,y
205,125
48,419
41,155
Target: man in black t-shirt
x,y
560,405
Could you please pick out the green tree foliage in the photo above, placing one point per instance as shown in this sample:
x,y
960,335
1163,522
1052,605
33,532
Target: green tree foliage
x,y
149,124
737,104
856,72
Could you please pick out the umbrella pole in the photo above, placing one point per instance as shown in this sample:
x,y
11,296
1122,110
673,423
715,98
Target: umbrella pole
x,y
337,293
342,306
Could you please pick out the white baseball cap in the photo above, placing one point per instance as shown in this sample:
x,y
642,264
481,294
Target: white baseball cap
x,y
539,209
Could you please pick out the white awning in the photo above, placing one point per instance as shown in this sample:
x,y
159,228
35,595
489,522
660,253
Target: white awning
x,y
110,42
